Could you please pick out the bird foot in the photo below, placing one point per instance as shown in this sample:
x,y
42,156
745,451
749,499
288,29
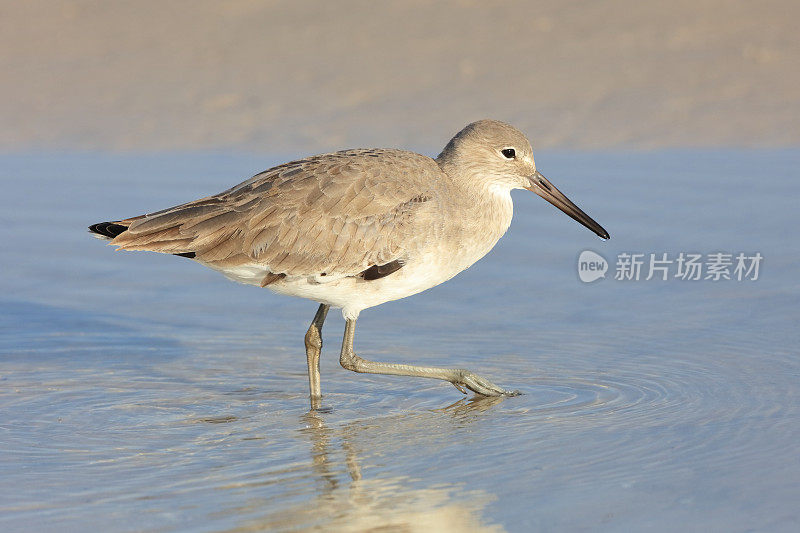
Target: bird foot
x,y
478,385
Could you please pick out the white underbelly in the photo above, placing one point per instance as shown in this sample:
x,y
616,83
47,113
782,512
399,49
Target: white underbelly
x,y
354,294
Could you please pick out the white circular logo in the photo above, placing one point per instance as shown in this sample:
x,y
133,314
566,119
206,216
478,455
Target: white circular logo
x,y
591,266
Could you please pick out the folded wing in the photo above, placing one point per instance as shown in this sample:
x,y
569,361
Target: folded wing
x,y
332,215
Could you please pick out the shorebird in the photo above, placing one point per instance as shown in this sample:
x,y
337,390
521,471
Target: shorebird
x,y
357,228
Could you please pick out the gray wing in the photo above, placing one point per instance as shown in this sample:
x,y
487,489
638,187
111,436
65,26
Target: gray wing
x,y
336,214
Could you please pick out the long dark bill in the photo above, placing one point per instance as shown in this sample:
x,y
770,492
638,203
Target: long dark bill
x,y
541,186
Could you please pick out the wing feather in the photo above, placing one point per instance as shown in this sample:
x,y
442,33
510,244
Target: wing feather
x,y
338,213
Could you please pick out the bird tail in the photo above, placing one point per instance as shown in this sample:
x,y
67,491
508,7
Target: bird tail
x,y
107,230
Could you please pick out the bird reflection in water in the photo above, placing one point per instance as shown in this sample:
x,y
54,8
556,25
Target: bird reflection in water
x,y
348,500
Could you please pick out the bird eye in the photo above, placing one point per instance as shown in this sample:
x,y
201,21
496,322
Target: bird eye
x,y
508,152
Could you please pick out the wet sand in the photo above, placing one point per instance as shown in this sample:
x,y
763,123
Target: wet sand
x,y
294,77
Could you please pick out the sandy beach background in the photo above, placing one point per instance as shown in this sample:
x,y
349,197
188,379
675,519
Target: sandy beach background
x,y
298,77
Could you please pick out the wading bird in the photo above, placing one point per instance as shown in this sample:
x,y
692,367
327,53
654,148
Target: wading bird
x,y
357,228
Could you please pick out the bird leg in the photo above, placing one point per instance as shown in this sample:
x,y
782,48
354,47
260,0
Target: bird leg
x,y
313,349
460,378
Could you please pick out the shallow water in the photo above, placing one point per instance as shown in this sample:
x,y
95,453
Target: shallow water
x,y
143,392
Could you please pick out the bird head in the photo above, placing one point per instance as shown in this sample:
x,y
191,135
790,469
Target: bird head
x,y
501,158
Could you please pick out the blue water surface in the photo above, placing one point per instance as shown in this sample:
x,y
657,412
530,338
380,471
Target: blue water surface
x,y
142,392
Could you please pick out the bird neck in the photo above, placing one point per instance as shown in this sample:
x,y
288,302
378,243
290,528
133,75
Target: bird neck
x,y
485,206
